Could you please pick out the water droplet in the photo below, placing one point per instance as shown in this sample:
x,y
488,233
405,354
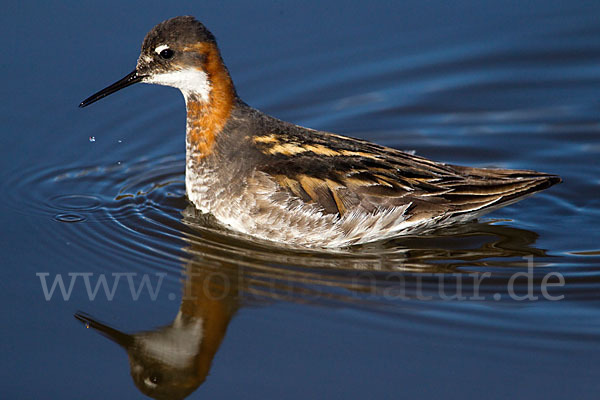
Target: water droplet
x,y
118,162
120,141
92,138
87,325
69,218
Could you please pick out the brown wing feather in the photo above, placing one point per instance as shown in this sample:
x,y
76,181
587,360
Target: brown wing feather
x,y
341,174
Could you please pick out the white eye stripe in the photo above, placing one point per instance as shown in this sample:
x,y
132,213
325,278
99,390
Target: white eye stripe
x,y
161,48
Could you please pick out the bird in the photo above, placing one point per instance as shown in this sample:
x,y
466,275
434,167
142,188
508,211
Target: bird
x,y
276,181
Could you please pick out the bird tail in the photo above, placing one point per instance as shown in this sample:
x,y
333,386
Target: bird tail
x,y
486,189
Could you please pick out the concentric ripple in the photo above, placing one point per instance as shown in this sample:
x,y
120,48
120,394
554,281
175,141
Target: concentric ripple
x,y
137,213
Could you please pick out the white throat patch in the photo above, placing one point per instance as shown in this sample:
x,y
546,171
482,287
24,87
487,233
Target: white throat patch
x,y
190,81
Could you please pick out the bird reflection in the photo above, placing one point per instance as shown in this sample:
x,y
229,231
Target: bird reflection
x,y
224,273
172,361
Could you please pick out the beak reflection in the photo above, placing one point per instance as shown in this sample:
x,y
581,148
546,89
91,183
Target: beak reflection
x,y
116,336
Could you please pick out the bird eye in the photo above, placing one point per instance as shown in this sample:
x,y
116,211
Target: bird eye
x,y
166,54
152,380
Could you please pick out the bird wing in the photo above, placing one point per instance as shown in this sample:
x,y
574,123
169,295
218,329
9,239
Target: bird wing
x,y
341,174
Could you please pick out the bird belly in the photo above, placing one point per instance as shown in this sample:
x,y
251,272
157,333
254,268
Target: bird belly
x,y
257,208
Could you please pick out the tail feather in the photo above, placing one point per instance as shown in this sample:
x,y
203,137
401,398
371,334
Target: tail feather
x,y
489,189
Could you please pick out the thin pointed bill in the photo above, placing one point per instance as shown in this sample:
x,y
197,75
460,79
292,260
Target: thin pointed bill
x,y
116,336
129,80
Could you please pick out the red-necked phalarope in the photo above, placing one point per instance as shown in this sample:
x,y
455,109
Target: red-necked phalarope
x,y
285,183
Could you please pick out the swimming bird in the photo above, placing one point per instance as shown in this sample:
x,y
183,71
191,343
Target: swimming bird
x,y
281,182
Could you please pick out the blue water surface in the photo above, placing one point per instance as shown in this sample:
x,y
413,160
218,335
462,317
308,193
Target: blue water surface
x,y
100,191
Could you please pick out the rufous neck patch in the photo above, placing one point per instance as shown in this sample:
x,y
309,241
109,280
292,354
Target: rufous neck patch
x,y
206,119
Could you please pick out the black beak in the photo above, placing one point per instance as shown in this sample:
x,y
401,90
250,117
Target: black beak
x,y
129,80
116,336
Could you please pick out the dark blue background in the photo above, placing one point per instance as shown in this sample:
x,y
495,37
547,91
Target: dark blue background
x,y
507,83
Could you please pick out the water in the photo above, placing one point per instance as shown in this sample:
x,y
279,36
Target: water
x,y
501,84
